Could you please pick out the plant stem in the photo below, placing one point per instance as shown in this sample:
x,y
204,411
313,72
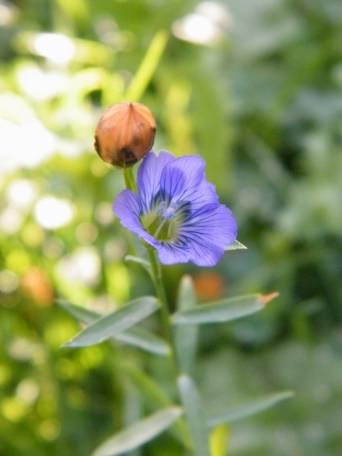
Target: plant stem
x,y
164,310
129,179
130,184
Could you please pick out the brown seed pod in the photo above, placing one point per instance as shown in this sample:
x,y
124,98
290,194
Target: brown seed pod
x,y
124,134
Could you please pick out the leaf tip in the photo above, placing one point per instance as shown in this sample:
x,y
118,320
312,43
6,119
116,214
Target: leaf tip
x,y
288,394
69,344
74,343
266,298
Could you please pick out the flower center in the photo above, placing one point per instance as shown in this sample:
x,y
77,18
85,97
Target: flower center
x,y
164,220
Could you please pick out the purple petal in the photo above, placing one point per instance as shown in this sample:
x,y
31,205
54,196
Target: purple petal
x,y
184,180
127,208
204,253
173,254
207,232
182,175
149,176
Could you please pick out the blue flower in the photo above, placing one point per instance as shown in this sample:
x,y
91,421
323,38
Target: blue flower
x,y
177,211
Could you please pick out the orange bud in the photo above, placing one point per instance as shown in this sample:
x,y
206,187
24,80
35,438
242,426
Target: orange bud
x,y
125,134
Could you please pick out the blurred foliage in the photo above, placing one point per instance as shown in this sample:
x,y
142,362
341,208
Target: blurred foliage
x,y
256,89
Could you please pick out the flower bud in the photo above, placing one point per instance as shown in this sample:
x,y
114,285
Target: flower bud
x,y
125,134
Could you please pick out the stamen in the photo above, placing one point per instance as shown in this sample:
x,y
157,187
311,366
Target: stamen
x,y
164,220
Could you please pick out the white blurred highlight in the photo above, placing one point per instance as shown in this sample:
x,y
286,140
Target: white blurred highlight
x,y
24,145
82,267
205,26
21,193
52,213
8,14
56,47
41,85
27,390
10,220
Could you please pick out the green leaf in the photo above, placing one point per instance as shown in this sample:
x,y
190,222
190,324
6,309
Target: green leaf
x,y
116,322
80,313
136,337
139,433
151,390
224,310
194,414
236,245
186,337
140,261
148,66
250,408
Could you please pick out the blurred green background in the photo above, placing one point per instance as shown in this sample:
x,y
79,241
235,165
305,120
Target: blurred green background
x,y
254,86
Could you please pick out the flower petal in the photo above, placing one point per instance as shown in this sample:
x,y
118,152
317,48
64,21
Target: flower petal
x,y
204,254
206,233
181,175
184,180
173,254
149,176
127,208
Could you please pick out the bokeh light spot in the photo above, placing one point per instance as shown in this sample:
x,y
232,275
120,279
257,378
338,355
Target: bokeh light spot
x,y
52,213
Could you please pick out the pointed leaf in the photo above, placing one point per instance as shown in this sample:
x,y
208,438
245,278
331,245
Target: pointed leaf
x,y
151,390
186,337
137,337
250,408
139,433
236,245
194,414
140,261
116,322
224,310
147,67
80,313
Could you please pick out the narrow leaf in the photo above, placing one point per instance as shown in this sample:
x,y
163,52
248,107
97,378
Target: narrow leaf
x,y
136,337
224,310
186,337
139,433
116,322
194,414
236,245
140,261
151,390
80,313
148,66
250,408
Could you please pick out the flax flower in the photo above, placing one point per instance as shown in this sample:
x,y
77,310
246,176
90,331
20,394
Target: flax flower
x,y
177,211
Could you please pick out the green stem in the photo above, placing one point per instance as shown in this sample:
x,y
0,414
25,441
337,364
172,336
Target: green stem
x,y
164,309
129,179
167,327
130,184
